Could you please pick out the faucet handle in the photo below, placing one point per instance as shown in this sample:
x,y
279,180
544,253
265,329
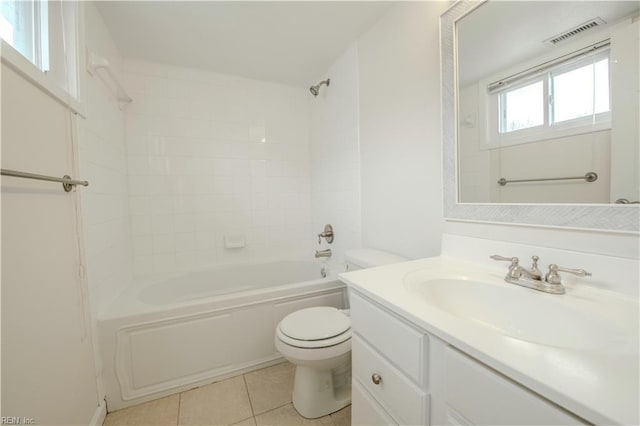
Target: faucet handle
x,y
552,277
327,234
514,260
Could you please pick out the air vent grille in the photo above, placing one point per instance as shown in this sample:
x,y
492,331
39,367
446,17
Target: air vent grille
x,y
591,23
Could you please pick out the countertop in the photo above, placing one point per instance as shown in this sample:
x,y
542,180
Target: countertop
x,y
598,384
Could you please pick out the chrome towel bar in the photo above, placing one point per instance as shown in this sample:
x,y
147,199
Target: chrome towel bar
x,y
589,177
66,181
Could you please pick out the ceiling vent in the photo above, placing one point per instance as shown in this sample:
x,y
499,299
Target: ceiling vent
x,y
591,23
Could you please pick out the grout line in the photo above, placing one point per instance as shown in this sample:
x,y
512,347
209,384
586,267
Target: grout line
x,y
179,406
246,388
276,408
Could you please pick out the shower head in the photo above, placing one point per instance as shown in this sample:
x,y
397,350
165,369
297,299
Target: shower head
x,y
316,89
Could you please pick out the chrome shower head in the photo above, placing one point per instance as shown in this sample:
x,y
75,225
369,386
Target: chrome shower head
x,y
316,89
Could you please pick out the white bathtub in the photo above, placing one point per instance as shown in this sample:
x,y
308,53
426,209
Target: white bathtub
x,y
166,335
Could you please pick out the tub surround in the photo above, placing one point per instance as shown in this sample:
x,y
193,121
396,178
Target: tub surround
x,y
596,383
210,157
153,347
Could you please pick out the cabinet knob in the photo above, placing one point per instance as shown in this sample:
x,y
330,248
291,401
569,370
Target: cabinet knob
x,y
376,379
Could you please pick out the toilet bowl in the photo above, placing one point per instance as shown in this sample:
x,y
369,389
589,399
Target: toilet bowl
x,y
318,341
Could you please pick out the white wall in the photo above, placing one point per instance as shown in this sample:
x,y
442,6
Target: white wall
x,y
335,156
102,155
400,131
48,369
625,109
400,143
211,155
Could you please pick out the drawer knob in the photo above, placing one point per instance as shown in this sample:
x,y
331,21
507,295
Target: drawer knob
x,y
376,379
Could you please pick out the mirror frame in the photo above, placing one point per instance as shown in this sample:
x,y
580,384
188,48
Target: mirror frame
x,y
620,218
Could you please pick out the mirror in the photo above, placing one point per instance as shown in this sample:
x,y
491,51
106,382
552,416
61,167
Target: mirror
x,y
518,106
558,98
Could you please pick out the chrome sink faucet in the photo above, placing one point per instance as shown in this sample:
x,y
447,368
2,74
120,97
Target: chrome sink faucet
x,y
516,271
532,278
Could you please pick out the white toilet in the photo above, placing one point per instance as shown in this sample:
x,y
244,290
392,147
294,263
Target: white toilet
x,y
318,341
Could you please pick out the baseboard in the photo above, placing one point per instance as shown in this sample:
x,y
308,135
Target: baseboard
x,y
99,414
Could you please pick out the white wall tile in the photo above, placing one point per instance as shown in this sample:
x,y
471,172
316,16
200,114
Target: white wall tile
x,y
103,162
210,154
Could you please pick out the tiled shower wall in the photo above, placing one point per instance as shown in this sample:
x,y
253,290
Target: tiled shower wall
x,y
213,156
103,162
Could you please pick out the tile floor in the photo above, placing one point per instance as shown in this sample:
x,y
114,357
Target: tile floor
x,y
261,397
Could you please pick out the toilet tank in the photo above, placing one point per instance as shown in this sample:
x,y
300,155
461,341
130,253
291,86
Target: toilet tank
x,y
369,258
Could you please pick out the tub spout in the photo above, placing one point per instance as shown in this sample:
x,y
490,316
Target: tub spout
x,y
323,253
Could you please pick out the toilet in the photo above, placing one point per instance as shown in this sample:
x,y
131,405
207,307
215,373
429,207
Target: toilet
x,y
318,341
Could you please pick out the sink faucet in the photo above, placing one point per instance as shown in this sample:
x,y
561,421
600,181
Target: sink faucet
x,y
532,278
516,271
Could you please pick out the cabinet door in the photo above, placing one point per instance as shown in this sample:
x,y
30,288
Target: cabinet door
x,y
397,394
365,410
483,396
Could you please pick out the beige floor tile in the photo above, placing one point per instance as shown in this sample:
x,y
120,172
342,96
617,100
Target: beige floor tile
x,y
271,387
221,403
251,421
288,415
342,417
160,412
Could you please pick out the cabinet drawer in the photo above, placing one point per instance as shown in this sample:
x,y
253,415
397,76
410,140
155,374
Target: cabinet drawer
x,y
484,396
365,411
402,344
395,392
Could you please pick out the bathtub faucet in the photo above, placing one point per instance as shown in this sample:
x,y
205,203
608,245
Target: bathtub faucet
x,y
323,253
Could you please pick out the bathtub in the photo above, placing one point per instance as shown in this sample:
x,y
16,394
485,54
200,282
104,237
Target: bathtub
x,y
169,334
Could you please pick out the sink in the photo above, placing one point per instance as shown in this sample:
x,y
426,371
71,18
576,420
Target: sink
x,y
575,322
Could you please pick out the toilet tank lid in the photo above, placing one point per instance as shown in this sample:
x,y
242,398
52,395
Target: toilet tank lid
x,y
369,258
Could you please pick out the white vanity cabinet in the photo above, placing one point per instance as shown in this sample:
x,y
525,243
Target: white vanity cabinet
x,y
403,375
389,367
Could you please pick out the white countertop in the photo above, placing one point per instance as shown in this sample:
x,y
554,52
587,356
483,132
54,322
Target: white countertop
x,y
597,384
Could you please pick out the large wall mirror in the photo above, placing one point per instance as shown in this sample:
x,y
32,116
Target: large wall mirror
x,y
541,113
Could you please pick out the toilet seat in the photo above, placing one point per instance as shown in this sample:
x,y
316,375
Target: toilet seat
x,y
316,327
313,344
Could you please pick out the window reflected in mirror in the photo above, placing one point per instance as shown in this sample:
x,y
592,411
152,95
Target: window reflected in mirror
x,y
547,98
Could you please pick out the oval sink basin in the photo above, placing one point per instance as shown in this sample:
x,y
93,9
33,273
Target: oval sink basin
x,y
533,316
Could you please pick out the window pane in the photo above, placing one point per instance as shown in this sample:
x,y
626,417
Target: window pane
x,y
581,92
17,26
21,27
522,108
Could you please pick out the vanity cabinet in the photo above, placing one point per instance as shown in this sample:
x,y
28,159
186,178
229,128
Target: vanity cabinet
x,y
404,375
389,367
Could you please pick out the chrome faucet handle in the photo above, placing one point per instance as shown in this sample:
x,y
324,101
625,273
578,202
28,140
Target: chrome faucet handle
x,y
326,234
515,271
552,277
514,260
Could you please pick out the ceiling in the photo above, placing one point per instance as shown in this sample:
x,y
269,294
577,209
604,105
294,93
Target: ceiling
x,y
500,34
287,42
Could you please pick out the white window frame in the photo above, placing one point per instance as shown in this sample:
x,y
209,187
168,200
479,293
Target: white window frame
x,y
490,111
50,80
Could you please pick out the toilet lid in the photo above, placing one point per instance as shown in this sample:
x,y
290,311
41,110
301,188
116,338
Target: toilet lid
x,y
317,323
